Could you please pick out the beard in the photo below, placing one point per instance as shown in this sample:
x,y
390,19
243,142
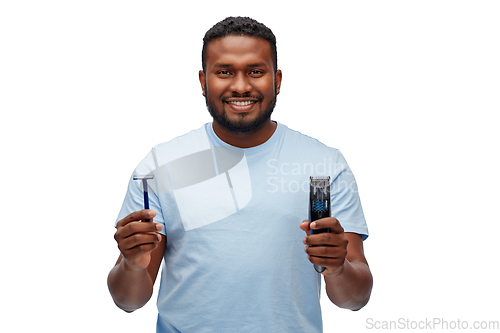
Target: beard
x,y
241,125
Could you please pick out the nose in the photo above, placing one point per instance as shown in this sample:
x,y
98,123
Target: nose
x,y
240,84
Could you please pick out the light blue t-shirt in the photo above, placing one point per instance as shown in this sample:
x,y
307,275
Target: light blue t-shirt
x,y
235,260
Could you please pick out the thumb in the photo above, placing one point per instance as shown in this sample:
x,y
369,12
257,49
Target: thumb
x,y
305,226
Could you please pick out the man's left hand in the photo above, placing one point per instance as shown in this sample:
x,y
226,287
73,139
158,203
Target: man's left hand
x,y
327,249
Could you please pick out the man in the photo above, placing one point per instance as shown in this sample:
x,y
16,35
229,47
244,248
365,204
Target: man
x,y
226,205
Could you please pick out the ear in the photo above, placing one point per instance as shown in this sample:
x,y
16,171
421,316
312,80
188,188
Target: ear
x,y
278,81
201,75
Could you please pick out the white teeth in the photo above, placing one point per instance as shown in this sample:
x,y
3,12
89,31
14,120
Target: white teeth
x,y
241,103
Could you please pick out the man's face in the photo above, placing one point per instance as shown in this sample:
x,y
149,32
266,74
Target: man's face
x,y
240,83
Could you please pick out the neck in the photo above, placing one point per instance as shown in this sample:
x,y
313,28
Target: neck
x,y
245,139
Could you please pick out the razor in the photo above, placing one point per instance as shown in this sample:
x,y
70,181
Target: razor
x,y
319,205
145,188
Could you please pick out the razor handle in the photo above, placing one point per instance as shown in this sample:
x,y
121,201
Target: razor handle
x,y
144,179
146,196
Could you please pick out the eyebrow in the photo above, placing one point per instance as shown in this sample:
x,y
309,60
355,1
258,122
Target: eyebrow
x,y
259,64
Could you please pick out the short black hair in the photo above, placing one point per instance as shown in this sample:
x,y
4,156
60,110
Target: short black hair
x,y
239,26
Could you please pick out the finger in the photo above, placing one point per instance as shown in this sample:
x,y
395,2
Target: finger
x,y
136,228
326,238
328,223
138,240
331,263
136,252
326,251
139,215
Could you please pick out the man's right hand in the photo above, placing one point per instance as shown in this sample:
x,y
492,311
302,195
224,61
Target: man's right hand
x,y
136,239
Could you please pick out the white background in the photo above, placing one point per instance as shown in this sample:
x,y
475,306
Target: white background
x,y
408,90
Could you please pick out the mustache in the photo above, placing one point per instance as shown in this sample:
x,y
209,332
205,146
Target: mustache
x,y
245,95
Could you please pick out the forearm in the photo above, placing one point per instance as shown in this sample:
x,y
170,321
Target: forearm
x,y
130,289
351,288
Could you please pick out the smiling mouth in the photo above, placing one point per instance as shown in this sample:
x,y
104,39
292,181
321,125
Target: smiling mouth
x,y
241,103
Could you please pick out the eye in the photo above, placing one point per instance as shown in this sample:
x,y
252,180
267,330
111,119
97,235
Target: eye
x,y
224,73
256,72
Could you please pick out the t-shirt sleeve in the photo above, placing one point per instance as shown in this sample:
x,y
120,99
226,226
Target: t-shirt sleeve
x,y
134,198
345,201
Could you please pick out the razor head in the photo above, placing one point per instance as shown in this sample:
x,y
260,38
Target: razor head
x,y
143,177
319,198
320,190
